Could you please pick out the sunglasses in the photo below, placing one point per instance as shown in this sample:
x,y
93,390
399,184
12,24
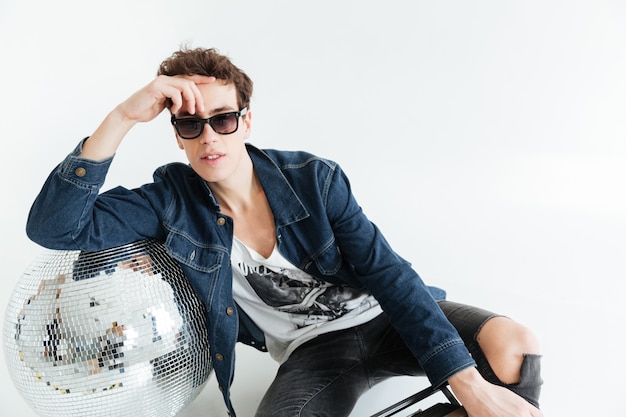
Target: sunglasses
x,y
223,124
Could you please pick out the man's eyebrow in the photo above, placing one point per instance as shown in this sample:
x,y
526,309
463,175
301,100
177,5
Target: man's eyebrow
x,y
223,109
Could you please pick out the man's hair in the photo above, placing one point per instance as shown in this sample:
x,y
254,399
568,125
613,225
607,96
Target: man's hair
x,y
210,62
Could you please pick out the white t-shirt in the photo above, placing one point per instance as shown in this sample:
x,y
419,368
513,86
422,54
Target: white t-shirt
x,y
290,306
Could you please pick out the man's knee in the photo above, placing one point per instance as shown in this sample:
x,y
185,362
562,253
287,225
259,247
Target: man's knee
x,y
504,343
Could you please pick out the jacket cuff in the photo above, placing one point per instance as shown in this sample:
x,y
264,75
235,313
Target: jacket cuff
x,y
84,172
446,361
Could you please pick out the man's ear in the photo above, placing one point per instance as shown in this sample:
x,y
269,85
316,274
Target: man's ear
x,y
178,140
247,122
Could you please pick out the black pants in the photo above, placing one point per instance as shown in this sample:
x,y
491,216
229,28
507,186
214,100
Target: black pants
x,y
327,375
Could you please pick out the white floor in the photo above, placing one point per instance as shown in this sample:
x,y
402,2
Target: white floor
x,y
250,386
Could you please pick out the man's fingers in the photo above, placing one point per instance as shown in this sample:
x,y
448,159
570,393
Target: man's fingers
x,y
193,98
200,79
196,102
185,93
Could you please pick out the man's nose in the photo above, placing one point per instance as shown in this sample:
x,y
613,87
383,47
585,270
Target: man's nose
x,y
208,134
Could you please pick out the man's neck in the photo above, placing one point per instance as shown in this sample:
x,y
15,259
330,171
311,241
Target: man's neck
x,y
240,192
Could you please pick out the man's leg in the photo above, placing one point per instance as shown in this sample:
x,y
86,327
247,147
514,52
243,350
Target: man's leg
x,y
507,353
327,375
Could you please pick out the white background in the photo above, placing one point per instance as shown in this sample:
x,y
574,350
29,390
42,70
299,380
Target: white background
x,y
485,138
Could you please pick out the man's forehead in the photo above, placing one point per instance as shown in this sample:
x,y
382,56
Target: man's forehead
x,y
218,88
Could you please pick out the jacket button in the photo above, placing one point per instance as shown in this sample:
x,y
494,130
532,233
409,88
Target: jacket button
x,y
192,255
230,311
80,172
219,356
221,221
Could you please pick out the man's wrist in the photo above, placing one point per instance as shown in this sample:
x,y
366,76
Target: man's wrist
x,y
465,381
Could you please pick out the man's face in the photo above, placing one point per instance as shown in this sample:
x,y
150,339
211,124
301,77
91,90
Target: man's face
x,y
216,157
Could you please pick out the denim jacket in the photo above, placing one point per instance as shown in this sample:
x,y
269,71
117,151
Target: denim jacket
x,y
320,229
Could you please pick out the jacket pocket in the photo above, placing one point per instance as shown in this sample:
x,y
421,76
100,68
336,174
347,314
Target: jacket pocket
x,y
201,257
328,262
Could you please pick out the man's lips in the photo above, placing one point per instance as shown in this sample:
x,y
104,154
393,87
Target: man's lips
x,y
211,156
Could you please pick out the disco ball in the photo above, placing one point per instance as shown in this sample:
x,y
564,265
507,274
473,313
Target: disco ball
x,y
112,333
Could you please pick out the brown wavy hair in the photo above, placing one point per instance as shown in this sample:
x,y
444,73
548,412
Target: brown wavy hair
x,y
201,61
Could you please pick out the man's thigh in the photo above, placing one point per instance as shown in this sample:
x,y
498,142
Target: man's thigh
x,y
326,376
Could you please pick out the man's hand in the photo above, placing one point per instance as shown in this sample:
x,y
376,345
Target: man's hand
x,y
152,99
143,106
483,399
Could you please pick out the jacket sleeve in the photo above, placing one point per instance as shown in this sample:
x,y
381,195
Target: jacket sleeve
x,y
400,291
70,214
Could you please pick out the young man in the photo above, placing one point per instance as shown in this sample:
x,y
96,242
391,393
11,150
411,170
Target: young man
x,y
282,257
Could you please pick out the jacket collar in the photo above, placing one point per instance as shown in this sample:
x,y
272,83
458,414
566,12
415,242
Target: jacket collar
x,y
284,202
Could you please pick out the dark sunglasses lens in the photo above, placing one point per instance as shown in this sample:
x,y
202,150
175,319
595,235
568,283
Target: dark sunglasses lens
x,y
189,128
224,123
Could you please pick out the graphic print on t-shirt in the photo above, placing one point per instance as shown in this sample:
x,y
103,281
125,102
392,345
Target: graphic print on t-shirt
x,y
306,299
